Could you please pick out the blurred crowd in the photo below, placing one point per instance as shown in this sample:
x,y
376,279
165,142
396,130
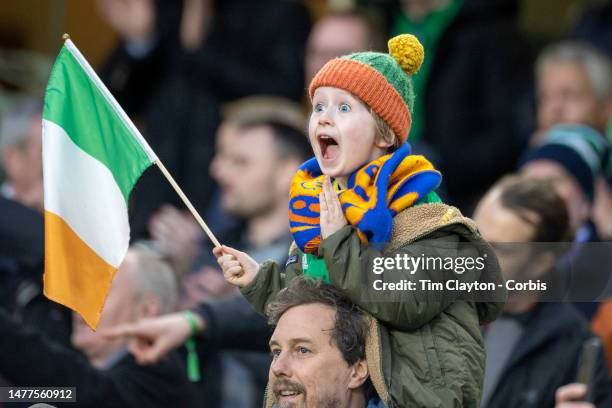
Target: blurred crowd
x,y
520,131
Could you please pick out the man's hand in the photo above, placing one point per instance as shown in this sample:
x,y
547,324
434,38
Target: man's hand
x,y
153,338
177,235
572,392
203,285
238,268
332,217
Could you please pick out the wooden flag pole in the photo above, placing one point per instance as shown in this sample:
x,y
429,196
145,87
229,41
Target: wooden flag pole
x,y
145,145
190,206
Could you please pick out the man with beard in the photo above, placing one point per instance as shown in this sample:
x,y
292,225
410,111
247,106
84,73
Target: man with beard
x,y
318,350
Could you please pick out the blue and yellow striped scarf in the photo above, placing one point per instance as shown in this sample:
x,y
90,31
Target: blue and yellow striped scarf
x,y
375,193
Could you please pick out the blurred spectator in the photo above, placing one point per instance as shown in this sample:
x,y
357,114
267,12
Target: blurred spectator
x,y
340,33
574,85
21,271
21,223
534,347
179,237
570,158
177,61
475,67
143,287
21,154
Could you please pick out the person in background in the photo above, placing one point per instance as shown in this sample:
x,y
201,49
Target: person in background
x,y
341,32
570,158
21,223
232,213
574,86
21,154
105,373
534,347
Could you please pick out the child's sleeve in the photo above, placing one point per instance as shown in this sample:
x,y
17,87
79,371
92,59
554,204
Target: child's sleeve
x,y
349,263
269,281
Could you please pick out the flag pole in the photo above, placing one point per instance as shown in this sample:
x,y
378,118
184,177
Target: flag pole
x,y
128,122
191,208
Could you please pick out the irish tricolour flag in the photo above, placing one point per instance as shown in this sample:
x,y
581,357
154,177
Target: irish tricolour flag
x,y
92,157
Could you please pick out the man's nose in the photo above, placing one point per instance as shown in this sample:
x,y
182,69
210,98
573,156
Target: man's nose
x,y
281,366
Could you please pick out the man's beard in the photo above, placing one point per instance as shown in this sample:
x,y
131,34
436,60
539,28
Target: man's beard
x,y
329,402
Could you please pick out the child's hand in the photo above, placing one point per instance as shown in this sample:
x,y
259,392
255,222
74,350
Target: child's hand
x,y
332,217
238,268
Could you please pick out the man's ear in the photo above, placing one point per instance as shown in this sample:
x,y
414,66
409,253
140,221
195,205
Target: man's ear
x,y
359,374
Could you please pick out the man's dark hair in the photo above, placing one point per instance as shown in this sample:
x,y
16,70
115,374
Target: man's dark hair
x,y
528,197
289,141
350,327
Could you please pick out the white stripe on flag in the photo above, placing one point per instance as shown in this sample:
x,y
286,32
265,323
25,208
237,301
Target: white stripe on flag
x,y
83,192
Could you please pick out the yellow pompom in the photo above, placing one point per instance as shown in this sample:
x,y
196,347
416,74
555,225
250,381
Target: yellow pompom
x,y
408,52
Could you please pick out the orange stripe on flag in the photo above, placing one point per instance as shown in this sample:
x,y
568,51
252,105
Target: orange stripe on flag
x,y
75,275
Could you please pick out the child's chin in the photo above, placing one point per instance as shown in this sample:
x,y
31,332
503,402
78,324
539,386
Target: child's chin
x,y
331,172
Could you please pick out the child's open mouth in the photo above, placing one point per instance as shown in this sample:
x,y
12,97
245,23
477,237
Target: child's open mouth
x,y
329,147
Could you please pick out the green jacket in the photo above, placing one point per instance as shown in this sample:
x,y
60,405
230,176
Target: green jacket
x,y
419,353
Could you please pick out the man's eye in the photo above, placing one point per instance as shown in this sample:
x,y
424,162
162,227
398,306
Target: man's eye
x,y
344,107
275,353
318,107
303,350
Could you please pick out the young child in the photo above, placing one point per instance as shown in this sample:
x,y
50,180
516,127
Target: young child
x,y
381,203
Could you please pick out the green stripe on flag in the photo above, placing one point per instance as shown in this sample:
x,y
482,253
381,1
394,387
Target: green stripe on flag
x,y
75,103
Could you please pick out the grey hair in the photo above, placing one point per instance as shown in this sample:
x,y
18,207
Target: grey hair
x,y
596,65
15,129
154,277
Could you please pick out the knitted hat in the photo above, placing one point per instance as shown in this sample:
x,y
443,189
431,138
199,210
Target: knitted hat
x,y
380,80
581,151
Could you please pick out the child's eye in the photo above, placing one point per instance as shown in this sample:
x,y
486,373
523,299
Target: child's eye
x,y
318,107
344,107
